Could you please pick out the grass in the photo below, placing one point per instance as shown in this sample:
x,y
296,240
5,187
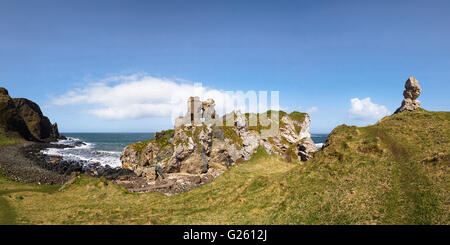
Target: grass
x,y
230,133
15,192
162,142
100,202
8,140
393,172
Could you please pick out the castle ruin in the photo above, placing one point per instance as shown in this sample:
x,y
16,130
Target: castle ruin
x,y
198,112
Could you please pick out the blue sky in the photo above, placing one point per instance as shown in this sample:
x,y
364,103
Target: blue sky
x,y
318,54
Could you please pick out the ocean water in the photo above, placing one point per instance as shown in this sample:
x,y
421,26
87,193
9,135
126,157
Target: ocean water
x,y
319,139
105,148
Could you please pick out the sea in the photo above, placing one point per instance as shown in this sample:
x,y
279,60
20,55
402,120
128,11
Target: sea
x,y
105,148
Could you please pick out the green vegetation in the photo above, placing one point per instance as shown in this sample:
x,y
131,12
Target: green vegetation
x,y
229,133
16,191
393,172
262,122
9,140
140,146
297,116
162,141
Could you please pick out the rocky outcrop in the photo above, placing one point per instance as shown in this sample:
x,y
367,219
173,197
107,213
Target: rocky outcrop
x,y
208,149
294,140
410,94
11,123
38,124
23,117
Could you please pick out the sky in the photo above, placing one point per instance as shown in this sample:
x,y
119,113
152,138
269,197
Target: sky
x,y
126,66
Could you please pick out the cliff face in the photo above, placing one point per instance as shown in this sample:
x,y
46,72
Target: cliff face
x,y
24,118
38,124
11,122
208,150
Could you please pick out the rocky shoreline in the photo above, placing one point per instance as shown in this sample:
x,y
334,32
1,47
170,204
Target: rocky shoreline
x,y
25,162
16,158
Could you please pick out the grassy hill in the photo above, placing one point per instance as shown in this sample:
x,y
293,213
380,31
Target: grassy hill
x,y
393,172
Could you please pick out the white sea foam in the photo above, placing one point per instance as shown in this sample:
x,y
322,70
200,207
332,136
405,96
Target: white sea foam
x,y
319,146
85,153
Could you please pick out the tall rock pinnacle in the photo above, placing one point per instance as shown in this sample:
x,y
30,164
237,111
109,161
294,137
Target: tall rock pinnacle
x,y
411,93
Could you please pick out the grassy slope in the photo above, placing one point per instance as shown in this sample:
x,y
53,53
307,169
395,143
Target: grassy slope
x,y
394,172
8,140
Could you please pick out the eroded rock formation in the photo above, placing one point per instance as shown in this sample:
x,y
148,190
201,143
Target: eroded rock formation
x,y
410,94
11,122
207,149
38,124
24,118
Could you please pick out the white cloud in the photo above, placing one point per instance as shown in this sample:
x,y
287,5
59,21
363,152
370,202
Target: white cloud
x,y
365,110
312,110
140,96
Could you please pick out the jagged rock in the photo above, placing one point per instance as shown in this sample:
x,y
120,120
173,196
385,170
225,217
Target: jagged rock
x,y
38,124
288,131
410,94
294,131
130,158
54,134
250,141
306,148
222,154
267,146
196,163
210,148
11,122
241,122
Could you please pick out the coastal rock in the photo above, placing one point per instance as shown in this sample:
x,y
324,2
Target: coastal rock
x,y
11,122
54,134
250,142
130,158
411,93
38,124
306,149
294,140
196,163
210,148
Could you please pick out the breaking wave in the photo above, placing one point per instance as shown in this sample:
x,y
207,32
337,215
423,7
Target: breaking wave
x,y
319,146
85,153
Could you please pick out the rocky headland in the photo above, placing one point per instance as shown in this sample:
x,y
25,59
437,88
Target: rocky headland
x,y
195,152
201,146
22,120
20,117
